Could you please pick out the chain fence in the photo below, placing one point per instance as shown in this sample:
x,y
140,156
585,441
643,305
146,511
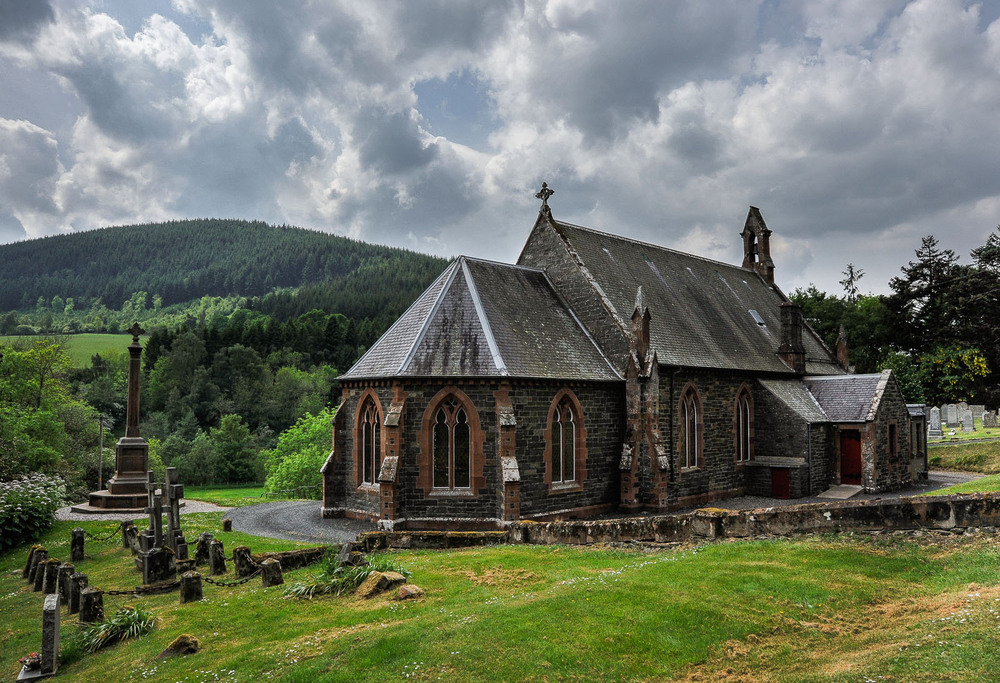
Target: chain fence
x,y
117,530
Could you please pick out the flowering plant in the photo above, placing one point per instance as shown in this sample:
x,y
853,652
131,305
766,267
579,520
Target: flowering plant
x,y
27,507
32,661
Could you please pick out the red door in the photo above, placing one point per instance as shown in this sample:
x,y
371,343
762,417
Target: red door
x,y
850,457
780,483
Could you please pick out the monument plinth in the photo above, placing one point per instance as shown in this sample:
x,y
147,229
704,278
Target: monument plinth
x,y
126,490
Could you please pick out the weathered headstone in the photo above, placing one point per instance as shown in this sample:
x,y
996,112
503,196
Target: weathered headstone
x,y
158,565
76,545
990,419
27,561
77,583
951,414
66,570
243,564
270,573
968,425
50,581
934,425
191,587
91,605
126,542
977,411
50,634
216,558
185,565
227,524
201,548
37,557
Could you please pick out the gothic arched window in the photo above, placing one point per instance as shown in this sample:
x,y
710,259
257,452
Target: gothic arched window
x,y
452,446
744,425
369,447
690,428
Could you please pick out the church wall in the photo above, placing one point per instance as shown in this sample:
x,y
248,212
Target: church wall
x,y
891,473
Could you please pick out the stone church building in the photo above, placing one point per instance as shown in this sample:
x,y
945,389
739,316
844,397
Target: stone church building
x,y
601,374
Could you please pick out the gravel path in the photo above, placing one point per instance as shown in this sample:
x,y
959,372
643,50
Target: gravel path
x,y
296,521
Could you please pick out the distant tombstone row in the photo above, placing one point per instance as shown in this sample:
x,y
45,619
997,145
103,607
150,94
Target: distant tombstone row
x,y
960,415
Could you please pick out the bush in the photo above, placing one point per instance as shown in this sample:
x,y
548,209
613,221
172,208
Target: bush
x,y
337,579
27,507
300,452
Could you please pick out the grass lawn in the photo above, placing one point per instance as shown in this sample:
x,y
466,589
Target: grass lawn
x,y
983,457
236,496
987,484
955,434
832,608
81,347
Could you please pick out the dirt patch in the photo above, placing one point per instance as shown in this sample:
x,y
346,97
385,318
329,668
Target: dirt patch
x,y
500,577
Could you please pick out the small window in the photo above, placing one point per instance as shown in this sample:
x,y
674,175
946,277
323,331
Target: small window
x,y
756,317
744,426
691,425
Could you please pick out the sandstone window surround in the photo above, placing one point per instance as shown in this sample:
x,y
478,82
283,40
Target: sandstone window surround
x,y
743,419
368,441
565,444
451,446
691,432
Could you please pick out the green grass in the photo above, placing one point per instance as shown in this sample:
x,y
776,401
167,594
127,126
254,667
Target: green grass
x,y
819,609
959,435
987,484
81,347
982,457
235,496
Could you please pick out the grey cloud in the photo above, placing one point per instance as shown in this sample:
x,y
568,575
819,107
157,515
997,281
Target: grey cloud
x,y
391,143
21,20
11,229
444,25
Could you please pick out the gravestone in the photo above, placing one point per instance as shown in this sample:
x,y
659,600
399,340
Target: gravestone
x,y
977,411
990,419
201,548
191,587
158,565
27,563
934,426
66,570
50,634
968,425
38,555
950,414
91,605
50,581
76,545
77,583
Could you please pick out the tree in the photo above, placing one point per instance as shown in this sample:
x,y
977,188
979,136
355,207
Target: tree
x,y
299,454
850,282
238,461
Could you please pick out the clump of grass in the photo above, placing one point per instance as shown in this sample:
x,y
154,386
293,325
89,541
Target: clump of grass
x,y
336,579
128,622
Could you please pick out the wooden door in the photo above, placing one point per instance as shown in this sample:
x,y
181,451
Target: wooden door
x,y
781,483
850,457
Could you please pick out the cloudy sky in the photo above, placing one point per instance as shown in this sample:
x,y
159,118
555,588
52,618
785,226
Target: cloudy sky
x,y
857,126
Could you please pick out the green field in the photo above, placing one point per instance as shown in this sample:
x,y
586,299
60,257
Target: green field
x,y
825,608
982,457
81,347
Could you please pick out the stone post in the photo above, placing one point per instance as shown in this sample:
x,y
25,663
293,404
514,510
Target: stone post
x,y
76,545
191,587
78,581
201,548
125,525
37,557
91,605
227,524
50,634
216,558
270,573
66,570
244,564
50,581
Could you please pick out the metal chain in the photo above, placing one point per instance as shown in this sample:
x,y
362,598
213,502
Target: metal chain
x,y
114,533
147,590
230,584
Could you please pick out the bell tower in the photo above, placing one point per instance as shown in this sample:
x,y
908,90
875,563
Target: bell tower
x,y
757,245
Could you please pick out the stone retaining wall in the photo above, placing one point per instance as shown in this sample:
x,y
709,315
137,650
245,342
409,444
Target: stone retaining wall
x,y
939,512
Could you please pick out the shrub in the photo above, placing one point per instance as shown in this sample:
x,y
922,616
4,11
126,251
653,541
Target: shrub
x,y
128,622
337,579
27,507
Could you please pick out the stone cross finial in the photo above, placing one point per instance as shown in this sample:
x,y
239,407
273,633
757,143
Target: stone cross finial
x,y
135,331
544,195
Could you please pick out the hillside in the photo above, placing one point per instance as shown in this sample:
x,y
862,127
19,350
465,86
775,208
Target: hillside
x,y
183,260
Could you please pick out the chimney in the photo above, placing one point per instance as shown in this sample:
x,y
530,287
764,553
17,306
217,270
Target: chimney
x,y
791,350
757,245
640,325
843,355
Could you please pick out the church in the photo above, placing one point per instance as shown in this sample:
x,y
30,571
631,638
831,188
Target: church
x,y
603,375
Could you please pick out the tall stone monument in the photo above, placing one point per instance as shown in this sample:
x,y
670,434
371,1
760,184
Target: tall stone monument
x,y
127,488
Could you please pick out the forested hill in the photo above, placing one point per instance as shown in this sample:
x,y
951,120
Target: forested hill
x,y
184,260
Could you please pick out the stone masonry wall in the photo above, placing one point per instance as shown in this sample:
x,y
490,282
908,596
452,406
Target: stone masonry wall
x,y
891,474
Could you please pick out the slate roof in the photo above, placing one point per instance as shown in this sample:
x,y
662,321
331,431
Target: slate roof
x,y
794,394
845,398
486,319
700,308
